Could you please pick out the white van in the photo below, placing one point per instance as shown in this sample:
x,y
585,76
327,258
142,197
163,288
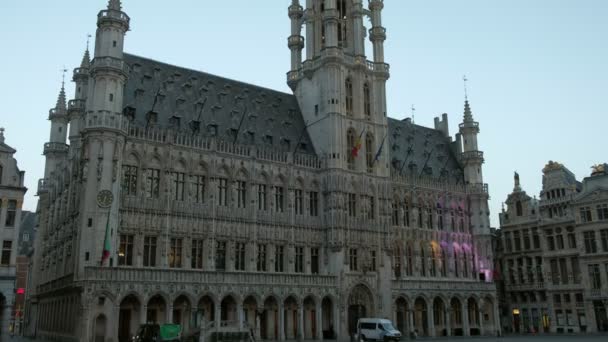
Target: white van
x,y
378,329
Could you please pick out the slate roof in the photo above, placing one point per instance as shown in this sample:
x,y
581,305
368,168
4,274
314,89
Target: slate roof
x,y
194,101
198,102
425,151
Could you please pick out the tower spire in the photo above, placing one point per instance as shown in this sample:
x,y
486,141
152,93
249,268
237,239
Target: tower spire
x,y
115,5
468,114
61,105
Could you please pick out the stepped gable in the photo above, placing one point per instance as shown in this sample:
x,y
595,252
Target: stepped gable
x,y
196,102
425,144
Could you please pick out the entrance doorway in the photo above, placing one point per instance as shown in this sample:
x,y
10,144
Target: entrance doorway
x,y
360,304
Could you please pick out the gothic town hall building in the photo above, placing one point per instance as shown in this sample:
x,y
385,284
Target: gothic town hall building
x,y
221,202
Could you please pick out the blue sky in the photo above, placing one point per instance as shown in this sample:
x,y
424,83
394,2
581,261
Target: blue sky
x,y
537,69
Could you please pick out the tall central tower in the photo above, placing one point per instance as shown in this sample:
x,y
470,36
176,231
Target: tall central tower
x,y
341,93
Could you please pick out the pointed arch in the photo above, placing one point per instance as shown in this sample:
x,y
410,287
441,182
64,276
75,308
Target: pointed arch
x,y
367,101
410,260
350,145
348,87
369,151
422,260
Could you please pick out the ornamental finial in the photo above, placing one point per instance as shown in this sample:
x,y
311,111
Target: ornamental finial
x,y
115,5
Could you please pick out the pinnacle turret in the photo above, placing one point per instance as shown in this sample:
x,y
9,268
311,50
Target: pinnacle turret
x,y
86,59
115,5
61,106
468,115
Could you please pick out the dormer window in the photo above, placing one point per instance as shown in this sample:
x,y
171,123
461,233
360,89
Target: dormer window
x,y
195,126
268,139
518,208
129,112
151,118
175,122
212,130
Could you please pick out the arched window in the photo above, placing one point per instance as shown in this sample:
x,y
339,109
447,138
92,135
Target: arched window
x,y
410,260
518,208
406,214
342,22
369,152
367,102
1,169
395,212
456,262
397,261
433,261
349,96
350,145
465,264
422,260
442,260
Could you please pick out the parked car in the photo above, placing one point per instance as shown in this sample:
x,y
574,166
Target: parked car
x,y
158,333
377,329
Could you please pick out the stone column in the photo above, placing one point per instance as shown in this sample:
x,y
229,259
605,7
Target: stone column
x,y
281,322
112,324
497,323
319,320
143,315
169,314
218,315
301,322
430,318
239,314
410,319
258,329
448,323
480,316
465,319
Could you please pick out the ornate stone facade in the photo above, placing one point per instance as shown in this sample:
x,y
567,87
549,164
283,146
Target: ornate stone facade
x,y
12,190
553,255
234,204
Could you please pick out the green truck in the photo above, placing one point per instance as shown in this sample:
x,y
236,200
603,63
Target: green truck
x,y
158,333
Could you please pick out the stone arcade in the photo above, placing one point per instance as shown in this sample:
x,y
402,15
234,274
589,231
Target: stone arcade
x,y
291,214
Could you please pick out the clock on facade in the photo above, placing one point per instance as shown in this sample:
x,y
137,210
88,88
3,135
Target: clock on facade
x,y
105,198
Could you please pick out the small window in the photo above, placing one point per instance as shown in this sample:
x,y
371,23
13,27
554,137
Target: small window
x,y
90,222
86,256
60,129
6,253
11,213
114,43
111,97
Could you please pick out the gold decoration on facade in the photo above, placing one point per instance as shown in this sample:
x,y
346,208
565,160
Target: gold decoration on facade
x,y
552,166
598,169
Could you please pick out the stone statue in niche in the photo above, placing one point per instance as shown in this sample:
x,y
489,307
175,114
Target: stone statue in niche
x,y
99,168
114,170
85,170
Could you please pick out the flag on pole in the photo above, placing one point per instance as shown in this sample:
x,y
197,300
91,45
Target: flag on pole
x,y
107,245
379,153
357,146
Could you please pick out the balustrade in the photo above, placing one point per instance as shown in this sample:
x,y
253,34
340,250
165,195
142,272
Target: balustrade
x,y
113,14
54,147
107,119
139,275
